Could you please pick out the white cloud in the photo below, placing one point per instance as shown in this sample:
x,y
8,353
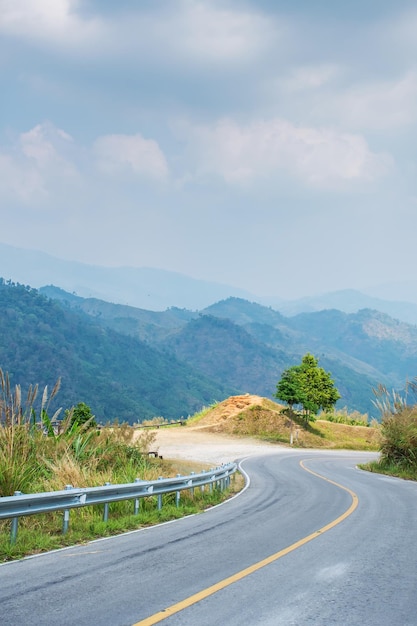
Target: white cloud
x,y
130,153
220,34
266,149
36,163
187,30
41,144
19,181
187,33
377,106
309,77
47,21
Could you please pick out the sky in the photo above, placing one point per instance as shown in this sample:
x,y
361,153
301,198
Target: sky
x,y
268,145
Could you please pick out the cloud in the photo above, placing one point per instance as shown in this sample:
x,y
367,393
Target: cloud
x,y
18,181
186,31
309,77
268,149
214,33
378,105
398,34
36,163
46,21
130,153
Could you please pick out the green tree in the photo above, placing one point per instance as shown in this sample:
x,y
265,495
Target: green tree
x,y
289,387
289,390
309,385
81,414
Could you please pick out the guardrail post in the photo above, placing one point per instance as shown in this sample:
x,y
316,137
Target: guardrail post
x,y
65,519
160,496
192,488
15,524
137,500
177,495
106,509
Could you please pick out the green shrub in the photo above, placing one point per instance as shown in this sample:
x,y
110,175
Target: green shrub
x,y
399,438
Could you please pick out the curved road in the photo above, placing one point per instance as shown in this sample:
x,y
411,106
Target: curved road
x,y
293,549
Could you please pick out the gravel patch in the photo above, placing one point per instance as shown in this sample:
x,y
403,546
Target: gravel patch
x,y
199,445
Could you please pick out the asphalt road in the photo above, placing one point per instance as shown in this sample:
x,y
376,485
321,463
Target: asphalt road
x,y
338,557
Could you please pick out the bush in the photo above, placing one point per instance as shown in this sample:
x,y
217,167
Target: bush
x,y
342,416
399,438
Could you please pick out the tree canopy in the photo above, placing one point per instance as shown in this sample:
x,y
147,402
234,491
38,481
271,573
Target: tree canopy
x,y
307,385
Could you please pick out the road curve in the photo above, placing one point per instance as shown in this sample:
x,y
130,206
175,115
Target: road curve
x,y
332,547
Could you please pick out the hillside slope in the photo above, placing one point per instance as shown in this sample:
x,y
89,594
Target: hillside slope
x,y
250,344
255,416
117,375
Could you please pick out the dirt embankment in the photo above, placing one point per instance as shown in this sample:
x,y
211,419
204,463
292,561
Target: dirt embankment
x,y
229,430
210,439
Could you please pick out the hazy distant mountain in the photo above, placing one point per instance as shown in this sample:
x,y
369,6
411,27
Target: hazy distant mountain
x,y
149,326
369,341
348,301
405,290
156,290
145,287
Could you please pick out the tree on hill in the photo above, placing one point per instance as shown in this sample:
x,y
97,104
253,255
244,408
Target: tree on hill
x,y
81,414
307,385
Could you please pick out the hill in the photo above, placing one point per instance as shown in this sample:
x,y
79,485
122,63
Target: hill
x,y
157,289
145,287
117,375
246,345
255,416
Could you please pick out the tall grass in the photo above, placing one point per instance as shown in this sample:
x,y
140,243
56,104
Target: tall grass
x,y
343,416
39,454
398,433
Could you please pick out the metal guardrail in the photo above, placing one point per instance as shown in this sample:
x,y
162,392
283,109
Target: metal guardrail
x,y
18,505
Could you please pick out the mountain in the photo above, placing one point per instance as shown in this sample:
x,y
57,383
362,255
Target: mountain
x,y
246,345
149,326
349,301
223,350
405,290
144,287
369,342
119,376
156,289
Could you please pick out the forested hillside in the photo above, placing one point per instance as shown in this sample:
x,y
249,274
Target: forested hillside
x,y
236,342
117,375
246,345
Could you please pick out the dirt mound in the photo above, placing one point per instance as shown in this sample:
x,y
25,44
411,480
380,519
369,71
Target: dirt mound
x,y
254,416
240,415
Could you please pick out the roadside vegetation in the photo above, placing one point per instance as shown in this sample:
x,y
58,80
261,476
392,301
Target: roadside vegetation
x,y
39,453
308,386
254,416
398,433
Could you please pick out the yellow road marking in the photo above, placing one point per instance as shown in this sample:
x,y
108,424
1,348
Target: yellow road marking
x,y
205,593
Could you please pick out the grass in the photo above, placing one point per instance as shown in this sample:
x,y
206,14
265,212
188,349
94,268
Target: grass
x,y
390,469
194,419
38,454
270,421
398,434
40,533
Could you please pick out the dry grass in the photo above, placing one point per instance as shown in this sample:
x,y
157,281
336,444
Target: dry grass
x,y
254,416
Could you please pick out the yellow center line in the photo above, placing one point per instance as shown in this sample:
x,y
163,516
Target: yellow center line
x,y
205,593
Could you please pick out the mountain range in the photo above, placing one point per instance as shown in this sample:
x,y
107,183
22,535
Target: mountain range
x,y
134,362
246,345
156,289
